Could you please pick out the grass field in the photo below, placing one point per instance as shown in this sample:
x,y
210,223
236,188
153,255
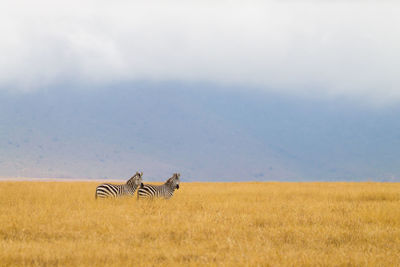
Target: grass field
x,y
296,224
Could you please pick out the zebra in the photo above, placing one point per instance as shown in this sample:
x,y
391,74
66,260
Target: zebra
x,y
164,191
128,189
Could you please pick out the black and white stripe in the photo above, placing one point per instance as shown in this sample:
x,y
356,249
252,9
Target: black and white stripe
x,y
112,190
165,190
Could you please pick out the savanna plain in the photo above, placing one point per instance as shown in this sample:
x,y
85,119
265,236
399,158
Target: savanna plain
x,y
217,224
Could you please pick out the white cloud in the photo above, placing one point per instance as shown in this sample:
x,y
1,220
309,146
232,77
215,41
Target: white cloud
x,y
324,48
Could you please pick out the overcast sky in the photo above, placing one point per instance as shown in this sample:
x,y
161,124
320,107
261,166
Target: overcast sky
x,y
322,48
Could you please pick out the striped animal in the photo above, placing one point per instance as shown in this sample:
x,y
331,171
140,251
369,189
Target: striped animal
x,y
165,190
112,190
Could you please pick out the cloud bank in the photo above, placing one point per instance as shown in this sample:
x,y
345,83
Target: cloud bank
x,y
325,48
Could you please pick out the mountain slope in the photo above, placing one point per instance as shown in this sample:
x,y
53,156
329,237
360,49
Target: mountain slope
x,y
205,134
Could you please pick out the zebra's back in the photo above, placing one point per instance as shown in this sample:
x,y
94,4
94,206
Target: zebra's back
x,y
109,190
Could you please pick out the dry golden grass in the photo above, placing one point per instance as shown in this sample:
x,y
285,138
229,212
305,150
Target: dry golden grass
x,y
296,224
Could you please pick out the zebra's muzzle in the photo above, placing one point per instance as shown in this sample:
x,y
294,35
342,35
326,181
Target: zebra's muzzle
x,y
141,185
177,186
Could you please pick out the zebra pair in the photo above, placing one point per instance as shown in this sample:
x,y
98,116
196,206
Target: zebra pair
x,y
145,191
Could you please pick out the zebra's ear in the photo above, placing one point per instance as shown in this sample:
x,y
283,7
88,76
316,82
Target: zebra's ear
x,y
141,174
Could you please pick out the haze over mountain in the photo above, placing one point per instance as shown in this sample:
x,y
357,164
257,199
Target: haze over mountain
x,y
217,90
212,135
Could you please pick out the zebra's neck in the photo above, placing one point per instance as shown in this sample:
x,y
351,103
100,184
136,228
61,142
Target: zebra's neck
x,y
169,186
131,184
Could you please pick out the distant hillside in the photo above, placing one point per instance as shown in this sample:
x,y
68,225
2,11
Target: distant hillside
x,y
206,134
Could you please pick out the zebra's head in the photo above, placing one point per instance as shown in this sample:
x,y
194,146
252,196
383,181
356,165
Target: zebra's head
x,y
136,180
174,180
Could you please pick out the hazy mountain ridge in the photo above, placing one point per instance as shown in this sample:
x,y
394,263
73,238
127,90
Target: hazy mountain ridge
x,y
204,134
